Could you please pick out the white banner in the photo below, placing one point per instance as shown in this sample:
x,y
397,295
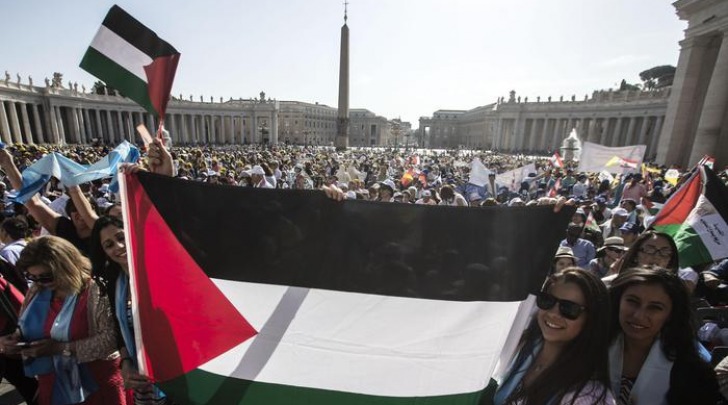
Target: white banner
x,y
624,159
513,178
478,173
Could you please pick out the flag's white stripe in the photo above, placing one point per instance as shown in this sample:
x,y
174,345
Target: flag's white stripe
x,y
710,226
375,345
126,55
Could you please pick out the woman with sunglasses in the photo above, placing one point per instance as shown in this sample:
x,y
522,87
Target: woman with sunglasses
x,y
562,357
66,333
654,356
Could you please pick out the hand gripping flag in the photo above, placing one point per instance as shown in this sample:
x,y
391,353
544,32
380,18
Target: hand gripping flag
x,y
130,57
299,299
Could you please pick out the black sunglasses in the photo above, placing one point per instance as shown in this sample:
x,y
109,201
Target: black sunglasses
x,y
43,279
568,309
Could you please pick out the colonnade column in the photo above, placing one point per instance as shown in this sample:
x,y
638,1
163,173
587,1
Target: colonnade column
x,y
26,123
61,129
55,133
15,123
4,124
82,126
643,131
542,138
652,148
617,131
120,125
532,140
629,139
183,125
712,117
274,138
254,129
583,129
76,129
605,131
110,137
99,127
556,137
89,126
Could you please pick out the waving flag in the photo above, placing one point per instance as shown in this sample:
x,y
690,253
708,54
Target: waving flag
x,y
71,173
556,160
696,216
133,59
307,300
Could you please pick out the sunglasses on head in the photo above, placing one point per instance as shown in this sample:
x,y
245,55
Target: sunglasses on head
x,y
568,309
43,278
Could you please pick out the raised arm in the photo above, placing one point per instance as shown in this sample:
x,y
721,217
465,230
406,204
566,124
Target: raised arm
x,y
8,166
42,213
84,208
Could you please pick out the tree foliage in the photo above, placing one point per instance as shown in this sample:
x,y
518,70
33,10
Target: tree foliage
x,y
626,86
658,77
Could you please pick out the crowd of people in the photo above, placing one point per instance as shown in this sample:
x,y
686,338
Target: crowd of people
x,y
614,321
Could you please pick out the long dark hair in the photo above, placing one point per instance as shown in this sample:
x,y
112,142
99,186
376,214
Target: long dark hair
x,y
103,270
584,360
678,335
630,258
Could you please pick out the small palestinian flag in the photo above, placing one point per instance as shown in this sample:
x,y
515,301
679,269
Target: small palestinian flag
x,y
251,296
696,216
556,160
131,58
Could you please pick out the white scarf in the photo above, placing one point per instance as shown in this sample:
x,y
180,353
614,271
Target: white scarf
x,y
653,381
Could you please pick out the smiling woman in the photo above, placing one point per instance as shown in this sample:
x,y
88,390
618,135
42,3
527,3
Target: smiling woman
x,y
654,356
111,270
563,353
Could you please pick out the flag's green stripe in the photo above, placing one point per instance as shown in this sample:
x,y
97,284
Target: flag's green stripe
x,y
690,246
203,387
117,77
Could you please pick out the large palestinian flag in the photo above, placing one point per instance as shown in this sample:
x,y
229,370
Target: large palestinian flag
x,y
696,216
252,296
133,59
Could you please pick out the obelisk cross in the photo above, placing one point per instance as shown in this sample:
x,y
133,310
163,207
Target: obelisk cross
x,y
346,4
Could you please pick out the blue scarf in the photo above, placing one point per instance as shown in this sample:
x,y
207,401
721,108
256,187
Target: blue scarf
x,y
73,381
121,310
515,375
120,307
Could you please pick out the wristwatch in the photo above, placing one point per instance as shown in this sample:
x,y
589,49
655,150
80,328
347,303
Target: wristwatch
x,y
67,350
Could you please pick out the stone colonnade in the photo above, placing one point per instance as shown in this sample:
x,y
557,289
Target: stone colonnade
x,y
83,121
538,134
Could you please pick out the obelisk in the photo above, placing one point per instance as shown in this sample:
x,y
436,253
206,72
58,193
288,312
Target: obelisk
x,y
342,118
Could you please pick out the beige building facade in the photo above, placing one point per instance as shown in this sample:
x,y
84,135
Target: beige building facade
x,y
67,114
696,123
516,124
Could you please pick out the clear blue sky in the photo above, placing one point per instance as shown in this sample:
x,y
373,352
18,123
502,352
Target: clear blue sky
x,y
408,58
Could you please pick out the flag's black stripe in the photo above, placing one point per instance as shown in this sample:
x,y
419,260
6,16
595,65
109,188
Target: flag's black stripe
x,y
134,32
717,193
302,238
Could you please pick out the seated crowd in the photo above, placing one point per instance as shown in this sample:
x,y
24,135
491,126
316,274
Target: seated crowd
x,y
615,320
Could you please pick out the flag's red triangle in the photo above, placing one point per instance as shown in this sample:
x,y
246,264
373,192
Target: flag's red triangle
x,y
185,319
160,76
